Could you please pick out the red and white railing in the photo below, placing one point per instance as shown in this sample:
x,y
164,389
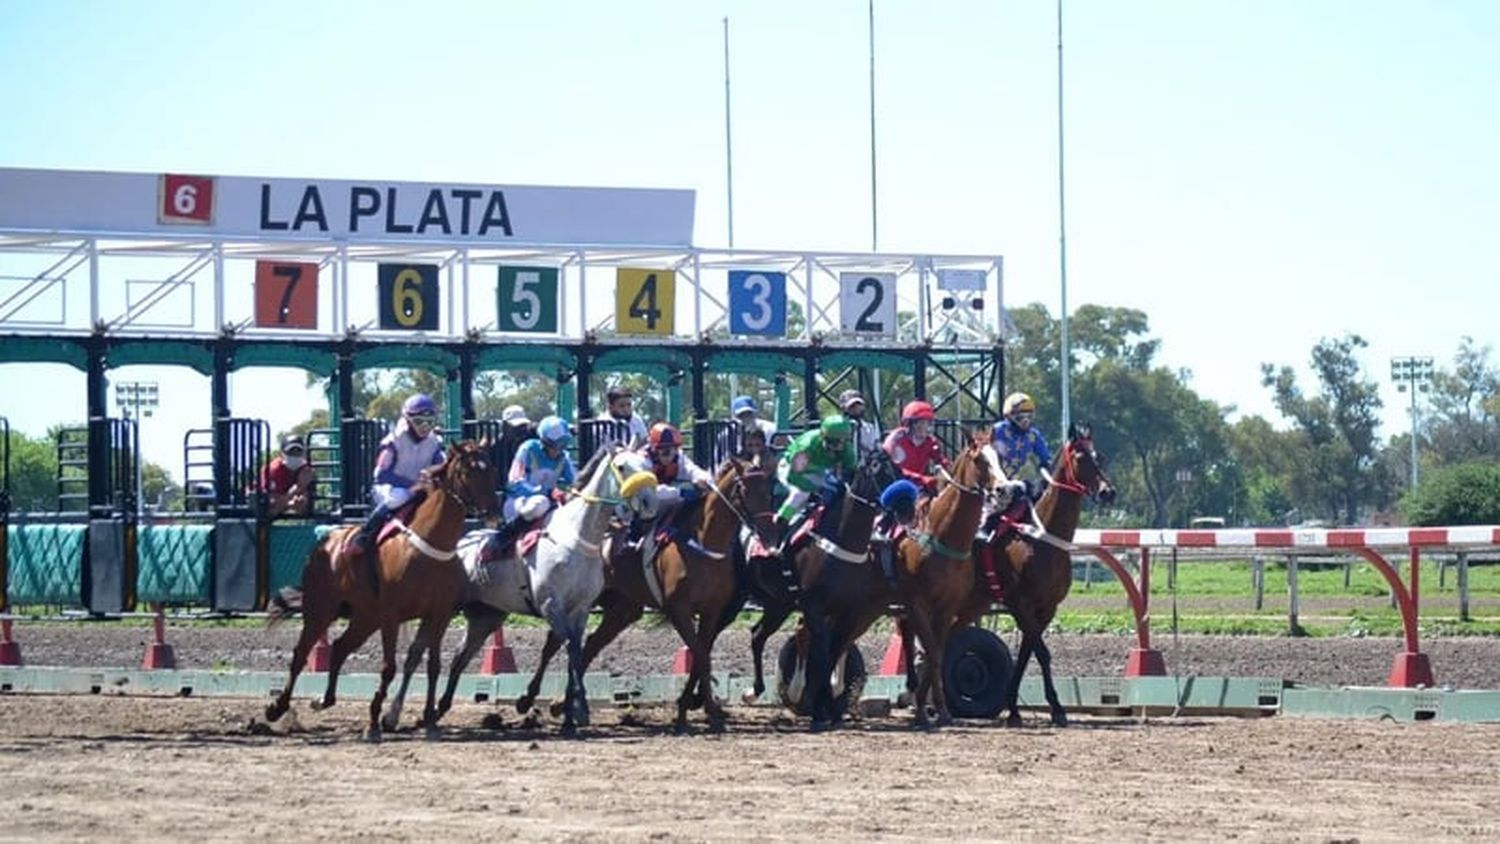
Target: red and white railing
x,y
1411,667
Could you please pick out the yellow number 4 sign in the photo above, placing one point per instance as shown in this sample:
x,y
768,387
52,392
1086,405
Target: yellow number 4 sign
x,y
644,301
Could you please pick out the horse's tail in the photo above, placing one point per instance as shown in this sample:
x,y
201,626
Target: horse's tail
x,y
286,603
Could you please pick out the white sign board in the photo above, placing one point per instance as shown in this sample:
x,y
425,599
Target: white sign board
x,y
867,304
339,210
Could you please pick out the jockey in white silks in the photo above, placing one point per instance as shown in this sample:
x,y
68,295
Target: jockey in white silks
x,y
403,456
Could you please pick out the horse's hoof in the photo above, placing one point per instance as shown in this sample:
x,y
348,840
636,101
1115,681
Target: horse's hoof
x,y
749,696
820,725
320,705
1014,721
556,708
389,724
432,733
274,711
373,735
680,727
569,729
1059,719
904,700
523,704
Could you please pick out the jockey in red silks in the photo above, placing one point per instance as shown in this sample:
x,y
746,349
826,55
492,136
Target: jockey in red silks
x,y
914,449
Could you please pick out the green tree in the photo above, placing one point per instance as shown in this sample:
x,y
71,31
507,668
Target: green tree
x,y
1340,423
1465,494
1464,422
33,473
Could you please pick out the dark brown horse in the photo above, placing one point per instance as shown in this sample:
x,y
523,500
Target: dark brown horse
x,y
691,581
420,577
1035,574
937,572
832,580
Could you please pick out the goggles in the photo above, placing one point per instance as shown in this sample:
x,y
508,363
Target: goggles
x,y
834,444
1022,416
425,421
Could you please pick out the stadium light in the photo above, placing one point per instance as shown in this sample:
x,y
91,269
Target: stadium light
x,y
1412,375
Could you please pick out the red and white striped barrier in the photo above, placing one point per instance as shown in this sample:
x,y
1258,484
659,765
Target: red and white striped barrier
x,y
1430,538
1411,667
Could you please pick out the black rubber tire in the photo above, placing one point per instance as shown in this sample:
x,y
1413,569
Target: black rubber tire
x,y
855,674
976,672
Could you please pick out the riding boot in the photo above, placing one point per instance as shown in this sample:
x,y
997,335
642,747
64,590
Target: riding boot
x,y
506,535
363,542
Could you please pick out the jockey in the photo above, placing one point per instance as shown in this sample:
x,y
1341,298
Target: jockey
x,y
810,460
866,434
679,480
1016,442
403,455
745,412
540,475
914,449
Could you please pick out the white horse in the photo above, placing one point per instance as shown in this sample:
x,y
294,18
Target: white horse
x,y
559,580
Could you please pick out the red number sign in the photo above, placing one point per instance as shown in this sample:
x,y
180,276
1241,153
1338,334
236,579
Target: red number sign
x,y
286,294
186,199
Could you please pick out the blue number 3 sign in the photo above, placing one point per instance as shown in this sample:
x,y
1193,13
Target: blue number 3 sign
x,y
757,302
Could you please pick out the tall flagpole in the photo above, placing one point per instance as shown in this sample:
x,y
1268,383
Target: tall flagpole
x,y
874,218
1062,235
728,143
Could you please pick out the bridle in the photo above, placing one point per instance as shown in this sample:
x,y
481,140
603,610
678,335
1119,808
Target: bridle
x,y
1070,468
752,520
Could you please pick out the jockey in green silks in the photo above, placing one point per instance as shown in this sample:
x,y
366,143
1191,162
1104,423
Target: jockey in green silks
x,y
811,458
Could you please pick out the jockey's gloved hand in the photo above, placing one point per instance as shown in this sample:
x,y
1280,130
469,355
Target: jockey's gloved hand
x,y
832,486
1012,488
559,497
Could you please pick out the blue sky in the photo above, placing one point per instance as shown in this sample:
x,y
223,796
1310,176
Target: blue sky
x,y
1254,176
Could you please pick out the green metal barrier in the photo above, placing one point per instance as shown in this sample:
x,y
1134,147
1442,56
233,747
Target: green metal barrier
x,y
290,544
46,564
174,563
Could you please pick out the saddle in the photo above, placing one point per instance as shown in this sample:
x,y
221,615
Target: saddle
x,y
755,549
398,519
518,546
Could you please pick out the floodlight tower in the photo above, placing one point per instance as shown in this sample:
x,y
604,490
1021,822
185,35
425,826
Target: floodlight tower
x,y
137,399
1412,374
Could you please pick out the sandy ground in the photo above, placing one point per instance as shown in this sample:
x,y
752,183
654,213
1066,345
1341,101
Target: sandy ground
x,y
1460,662
90,767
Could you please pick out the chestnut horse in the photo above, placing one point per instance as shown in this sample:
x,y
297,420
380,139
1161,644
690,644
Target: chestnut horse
x,y
937,573
687,579
1035,570
838,588
420,577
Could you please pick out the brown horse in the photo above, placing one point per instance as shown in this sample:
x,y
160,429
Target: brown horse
x,y
937,573
1034,574
835,584
420,576
692,582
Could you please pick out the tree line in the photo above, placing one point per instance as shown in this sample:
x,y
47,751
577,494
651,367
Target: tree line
x,y
1174,454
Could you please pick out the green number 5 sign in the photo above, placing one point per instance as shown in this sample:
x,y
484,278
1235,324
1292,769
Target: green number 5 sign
x,y
528,299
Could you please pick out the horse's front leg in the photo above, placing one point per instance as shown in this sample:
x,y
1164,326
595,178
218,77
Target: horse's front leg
x,y
388,634
359,629
921,627
414,651
525,701
771,618
440,622
481,623
313,627
1044,659
618,615
1013,692
576,704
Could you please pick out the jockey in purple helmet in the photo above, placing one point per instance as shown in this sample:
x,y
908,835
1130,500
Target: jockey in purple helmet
x,y
402,457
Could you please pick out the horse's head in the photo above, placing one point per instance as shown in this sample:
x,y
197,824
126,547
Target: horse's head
x,y
469,474
748,485
1079,466
629,483
876,476
973,471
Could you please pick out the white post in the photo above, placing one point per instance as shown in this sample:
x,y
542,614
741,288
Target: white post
x,y
728,143
874,204
1062,238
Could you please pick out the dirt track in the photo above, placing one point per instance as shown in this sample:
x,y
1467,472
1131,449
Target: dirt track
x,y
89,767
1462,662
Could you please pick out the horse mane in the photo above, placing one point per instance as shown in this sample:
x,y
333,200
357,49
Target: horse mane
x,y
586,474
